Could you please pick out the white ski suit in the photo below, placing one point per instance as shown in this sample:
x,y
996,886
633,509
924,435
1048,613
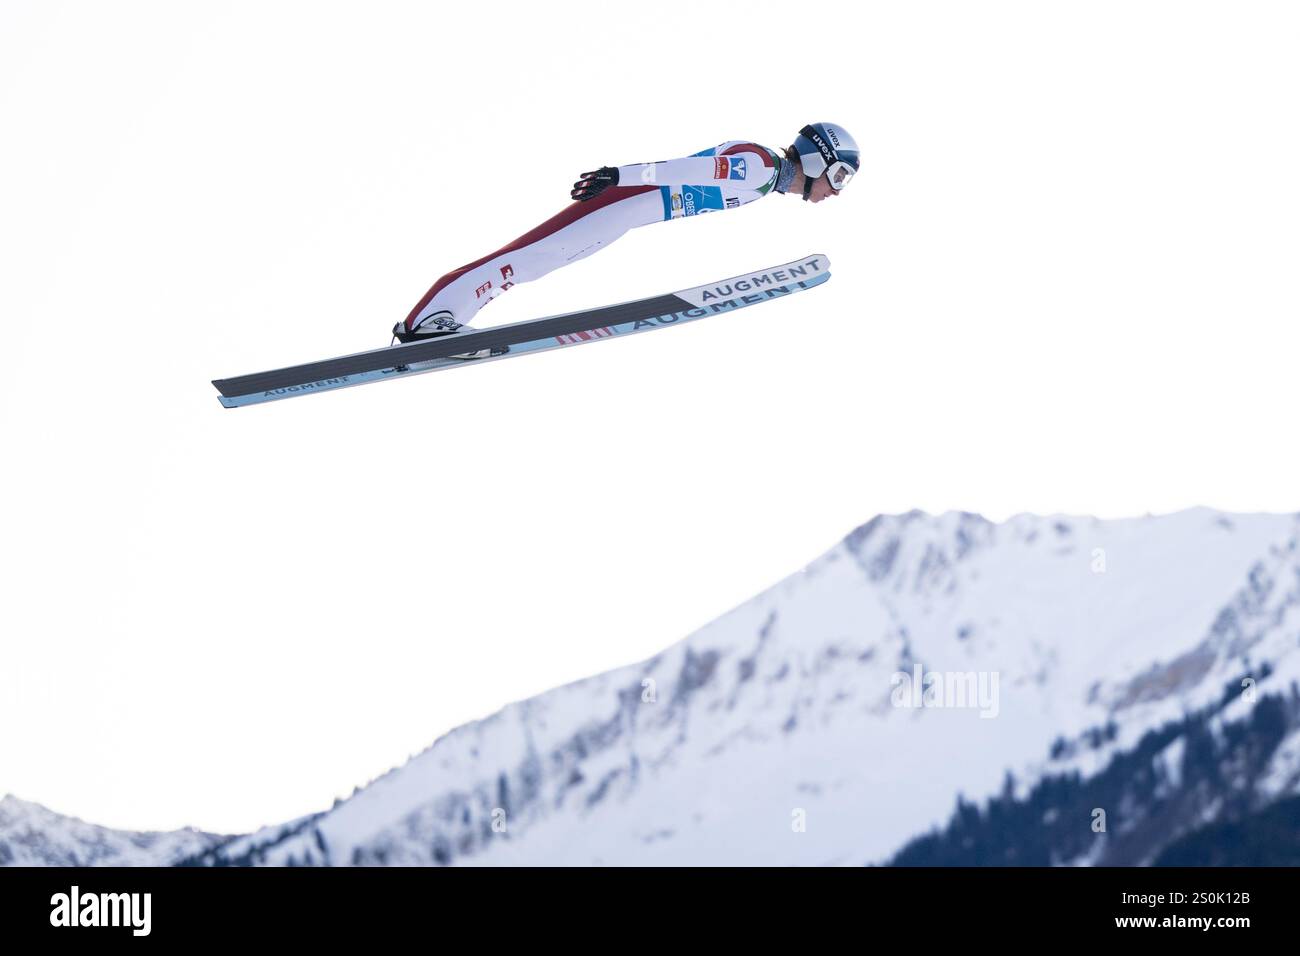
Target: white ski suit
x,y
724,177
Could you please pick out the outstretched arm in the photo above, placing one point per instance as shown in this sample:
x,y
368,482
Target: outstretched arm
x,y
745,168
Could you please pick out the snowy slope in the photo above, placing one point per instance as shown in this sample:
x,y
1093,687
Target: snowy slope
x,y
31,835
781,712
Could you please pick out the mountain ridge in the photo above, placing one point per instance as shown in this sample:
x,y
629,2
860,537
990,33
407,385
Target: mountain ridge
x,y
712,749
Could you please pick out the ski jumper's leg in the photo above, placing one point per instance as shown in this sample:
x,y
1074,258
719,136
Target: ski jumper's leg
x,y
573,234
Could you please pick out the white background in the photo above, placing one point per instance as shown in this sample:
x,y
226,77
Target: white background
x,y
1064,281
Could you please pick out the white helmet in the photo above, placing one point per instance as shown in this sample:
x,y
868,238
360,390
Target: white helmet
x,y
826,148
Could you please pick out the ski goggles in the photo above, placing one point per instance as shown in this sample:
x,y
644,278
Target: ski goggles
x,y
839,173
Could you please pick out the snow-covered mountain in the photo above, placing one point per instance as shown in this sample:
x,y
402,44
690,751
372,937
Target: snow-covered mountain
x,y
785,732
31,835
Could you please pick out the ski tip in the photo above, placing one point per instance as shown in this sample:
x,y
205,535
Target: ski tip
x,y
822,259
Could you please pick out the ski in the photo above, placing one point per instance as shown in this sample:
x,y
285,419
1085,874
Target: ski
x,y
524,338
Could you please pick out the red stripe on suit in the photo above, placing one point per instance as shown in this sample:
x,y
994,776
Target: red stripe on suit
x,y
569,215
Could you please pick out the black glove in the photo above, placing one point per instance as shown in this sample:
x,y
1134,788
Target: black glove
x,y
594,183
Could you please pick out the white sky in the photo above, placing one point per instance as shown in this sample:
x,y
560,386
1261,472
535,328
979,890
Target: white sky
x,y
1066,280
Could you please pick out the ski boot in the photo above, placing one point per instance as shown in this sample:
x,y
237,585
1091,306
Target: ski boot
x,y
441,323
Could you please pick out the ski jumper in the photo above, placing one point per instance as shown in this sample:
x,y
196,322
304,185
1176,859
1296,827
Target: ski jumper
x,y
724,177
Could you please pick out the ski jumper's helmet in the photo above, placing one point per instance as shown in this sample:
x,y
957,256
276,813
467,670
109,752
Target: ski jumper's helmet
x,y
826,148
